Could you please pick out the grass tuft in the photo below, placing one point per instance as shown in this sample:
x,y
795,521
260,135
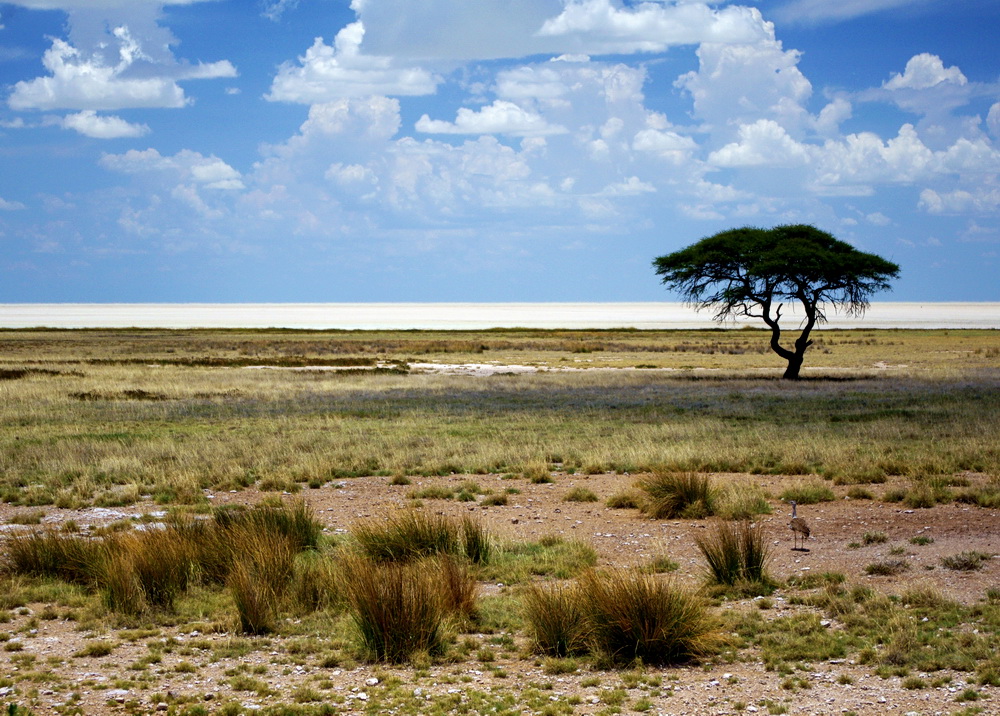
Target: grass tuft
x,y
555,618
736,552
396,608
634,616
671,495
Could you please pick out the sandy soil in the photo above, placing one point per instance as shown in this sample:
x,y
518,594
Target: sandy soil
x,y
621,537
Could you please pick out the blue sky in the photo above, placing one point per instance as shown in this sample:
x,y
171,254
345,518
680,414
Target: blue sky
x,y
484,150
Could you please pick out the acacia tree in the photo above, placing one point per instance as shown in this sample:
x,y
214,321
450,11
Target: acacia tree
x,y
754,272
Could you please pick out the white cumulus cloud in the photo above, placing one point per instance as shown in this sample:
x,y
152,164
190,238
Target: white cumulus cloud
x,y
501,117
763,143
90,124
87,81
923,71
329,72
185,167
600,26
739,84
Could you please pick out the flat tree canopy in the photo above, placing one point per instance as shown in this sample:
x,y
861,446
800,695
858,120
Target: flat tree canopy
x,y
752,272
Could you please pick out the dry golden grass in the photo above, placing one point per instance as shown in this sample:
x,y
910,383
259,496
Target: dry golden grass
x,y
170,413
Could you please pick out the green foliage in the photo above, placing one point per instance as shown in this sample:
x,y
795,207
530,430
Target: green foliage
x,y
293,520
669,495
477,544
550,556
887,567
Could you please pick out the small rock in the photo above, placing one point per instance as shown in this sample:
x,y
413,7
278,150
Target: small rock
x,y
371,682
162,706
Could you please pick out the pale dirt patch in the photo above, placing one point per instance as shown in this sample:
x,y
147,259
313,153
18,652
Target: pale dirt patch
x,y
621,537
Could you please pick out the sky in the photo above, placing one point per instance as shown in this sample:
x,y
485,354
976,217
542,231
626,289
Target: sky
x,y
484,150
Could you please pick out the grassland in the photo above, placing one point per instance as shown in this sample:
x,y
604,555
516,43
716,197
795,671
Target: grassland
x,y
906,419
104,417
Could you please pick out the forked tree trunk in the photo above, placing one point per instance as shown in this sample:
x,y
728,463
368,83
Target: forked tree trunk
x,y
795,357
794,366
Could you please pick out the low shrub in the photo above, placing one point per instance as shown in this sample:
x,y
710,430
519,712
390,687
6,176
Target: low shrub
x,y
146,569
887,567
477,544
49,554
874,538
459,589
293,520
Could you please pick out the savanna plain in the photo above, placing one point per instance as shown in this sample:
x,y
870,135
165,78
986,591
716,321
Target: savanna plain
x,y
498,522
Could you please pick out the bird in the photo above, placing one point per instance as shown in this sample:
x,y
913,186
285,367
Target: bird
x,y
798,526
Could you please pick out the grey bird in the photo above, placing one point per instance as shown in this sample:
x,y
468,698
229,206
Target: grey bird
x,y
798,526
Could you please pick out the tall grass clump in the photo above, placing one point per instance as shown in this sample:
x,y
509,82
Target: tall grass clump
x,y
736,553
459,590
293,520
632,616
677,494
556,618
477,544
412,534
48,554
396,608
140,570
261,572
316,583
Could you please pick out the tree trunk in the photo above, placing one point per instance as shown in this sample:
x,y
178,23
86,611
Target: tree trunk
x,y
794,365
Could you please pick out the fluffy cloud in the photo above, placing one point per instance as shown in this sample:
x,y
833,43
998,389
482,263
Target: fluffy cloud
x,y
993,120
599,26
79,80
184,168
326,73
763,143
923,71
501,117
961,201
90,124
738,84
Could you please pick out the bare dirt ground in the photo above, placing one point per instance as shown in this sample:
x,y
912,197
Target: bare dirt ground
x,y
193,675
